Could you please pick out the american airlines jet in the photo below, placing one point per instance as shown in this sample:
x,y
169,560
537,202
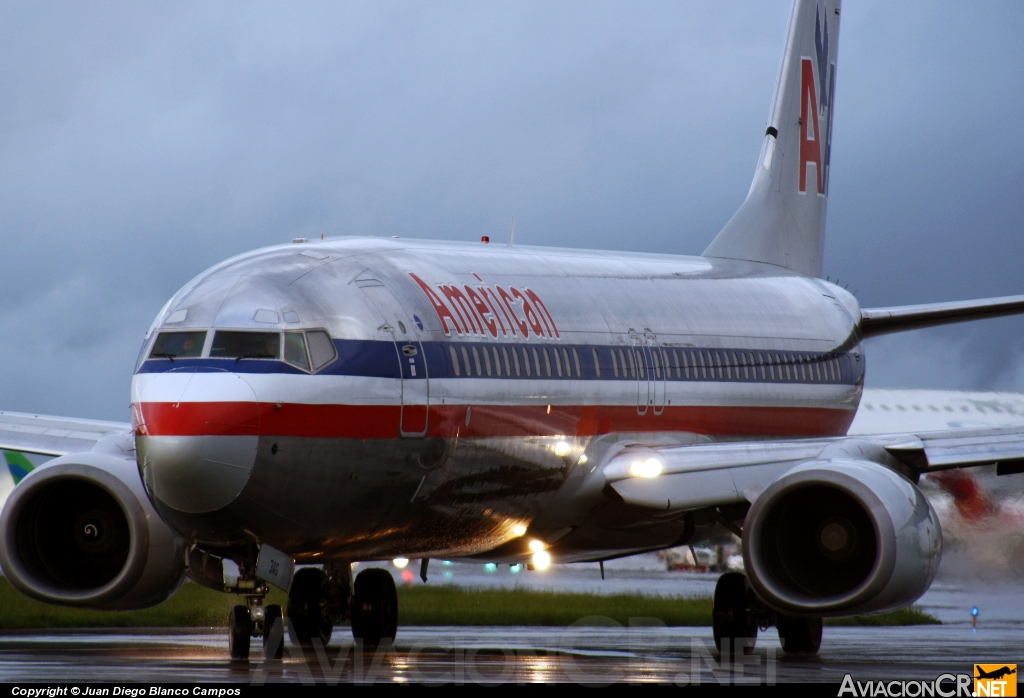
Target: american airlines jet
x,y
357,399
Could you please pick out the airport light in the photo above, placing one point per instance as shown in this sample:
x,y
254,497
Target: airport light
x,y
400,562
562,449
541,560
519,530
537,545
651,467
583,459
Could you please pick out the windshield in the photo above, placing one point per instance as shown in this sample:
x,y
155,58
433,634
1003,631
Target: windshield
x,y
246,345
173,345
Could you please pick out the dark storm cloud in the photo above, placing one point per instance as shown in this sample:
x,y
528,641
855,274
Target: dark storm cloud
x,y
140,144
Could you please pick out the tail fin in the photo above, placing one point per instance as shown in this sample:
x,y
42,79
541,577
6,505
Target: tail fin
x,y
18,464
782,221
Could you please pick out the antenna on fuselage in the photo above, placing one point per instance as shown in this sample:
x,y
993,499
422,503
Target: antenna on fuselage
x,y
512,233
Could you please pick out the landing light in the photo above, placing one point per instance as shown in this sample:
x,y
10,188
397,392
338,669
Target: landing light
x,y
541,560
537,545
519,530
645,468
400,562
562,449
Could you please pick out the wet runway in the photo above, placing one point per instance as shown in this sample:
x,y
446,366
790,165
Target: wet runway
x,y
586,653
454,655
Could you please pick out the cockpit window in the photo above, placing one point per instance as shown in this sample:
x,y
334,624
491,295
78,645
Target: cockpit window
x,y
178,345
321,349
246,345
295,350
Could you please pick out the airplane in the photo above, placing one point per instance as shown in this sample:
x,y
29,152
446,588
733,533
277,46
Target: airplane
x,y
326,402
995,674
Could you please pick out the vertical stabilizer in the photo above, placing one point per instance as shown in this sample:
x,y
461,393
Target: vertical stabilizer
x,y
782,221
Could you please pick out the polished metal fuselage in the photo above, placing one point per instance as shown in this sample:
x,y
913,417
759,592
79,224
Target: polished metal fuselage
x,y
476,390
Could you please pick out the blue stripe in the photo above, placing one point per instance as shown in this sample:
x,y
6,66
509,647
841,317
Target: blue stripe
x,y
381,359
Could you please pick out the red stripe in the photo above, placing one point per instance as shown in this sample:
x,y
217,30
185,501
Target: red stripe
x,y
381,421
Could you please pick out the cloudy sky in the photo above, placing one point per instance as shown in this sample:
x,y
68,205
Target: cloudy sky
x,y
143,142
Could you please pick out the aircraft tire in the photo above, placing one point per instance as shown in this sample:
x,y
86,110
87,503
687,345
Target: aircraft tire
x,y
374,607
305,613
239,632
273,632
731,625
799,635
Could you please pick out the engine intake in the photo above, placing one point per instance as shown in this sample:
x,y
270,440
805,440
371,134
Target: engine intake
x,y
81,532
841,537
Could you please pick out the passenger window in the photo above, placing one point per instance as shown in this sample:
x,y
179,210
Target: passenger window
x,y
641,362
632,364
817,371
718,364
487,359
576,360
597,363
476,361
497,361
547,362
685,367
656,358
508,368
465,361
295,350
536,362
665,364
703,366
728,365
787,361
246,345
321,349
455,360
746,368
526,362
178,345
615,364
565,358
558,361
771,366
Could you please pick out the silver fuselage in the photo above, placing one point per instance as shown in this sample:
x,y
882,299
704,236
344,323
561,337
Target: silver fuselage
x,y
473,385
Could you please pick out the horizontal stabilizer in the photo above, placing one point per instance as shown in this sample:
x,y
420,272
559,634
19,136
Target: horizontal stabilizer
x,y
877,321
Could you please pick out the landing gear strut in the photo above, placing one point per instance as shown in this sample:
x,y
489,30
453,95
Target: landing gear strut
x,y
738,614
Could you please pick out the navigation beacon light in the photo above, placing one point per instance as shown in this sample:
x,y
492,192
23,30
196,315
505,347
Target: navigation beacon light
x,y
519,530
974,617
400,562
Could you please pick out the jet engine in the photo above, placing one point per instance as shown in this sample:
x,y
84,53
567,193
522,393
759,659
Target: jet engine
x,y
80,531
841,537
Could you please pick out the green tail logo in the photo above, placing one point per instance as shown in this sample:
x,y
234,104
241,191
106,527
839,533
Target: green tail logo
x,y
18,464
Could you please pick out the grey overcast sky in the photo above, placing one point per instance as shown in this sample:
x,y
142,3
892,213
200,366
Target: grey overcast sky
x,y
143,142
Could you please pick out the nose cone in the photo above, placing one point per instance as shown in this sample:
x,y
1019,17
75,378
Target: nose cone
x,y
196,474
196,437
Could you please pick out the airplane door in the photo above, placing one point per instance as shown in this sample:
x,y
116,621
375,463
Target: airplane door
x,y
409,352
657,375
639,361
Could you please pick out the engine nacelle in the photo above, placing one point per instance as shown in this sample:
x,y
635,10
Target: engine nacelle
x,y
841,537
80,531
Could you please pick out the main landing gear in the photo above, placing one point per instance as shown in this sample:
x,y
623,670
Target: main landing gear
x,y
318,599
738,614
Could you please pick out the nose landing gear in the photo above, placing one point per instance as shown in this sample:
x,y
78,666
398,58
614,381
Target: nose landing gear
x,y
255,620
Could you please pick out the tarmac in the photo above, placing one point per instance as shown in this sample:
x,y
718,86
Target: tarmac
x,y
596,651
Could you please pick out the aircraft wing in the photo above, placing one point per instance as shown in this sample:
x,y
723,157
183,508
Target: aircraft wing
x,y
876,321
679,478
53,436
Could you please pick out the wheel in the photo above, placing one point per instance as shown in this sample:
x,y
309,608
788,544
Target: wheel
x,y
239,632
374,607
731,624
273,632
305,613
799,635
